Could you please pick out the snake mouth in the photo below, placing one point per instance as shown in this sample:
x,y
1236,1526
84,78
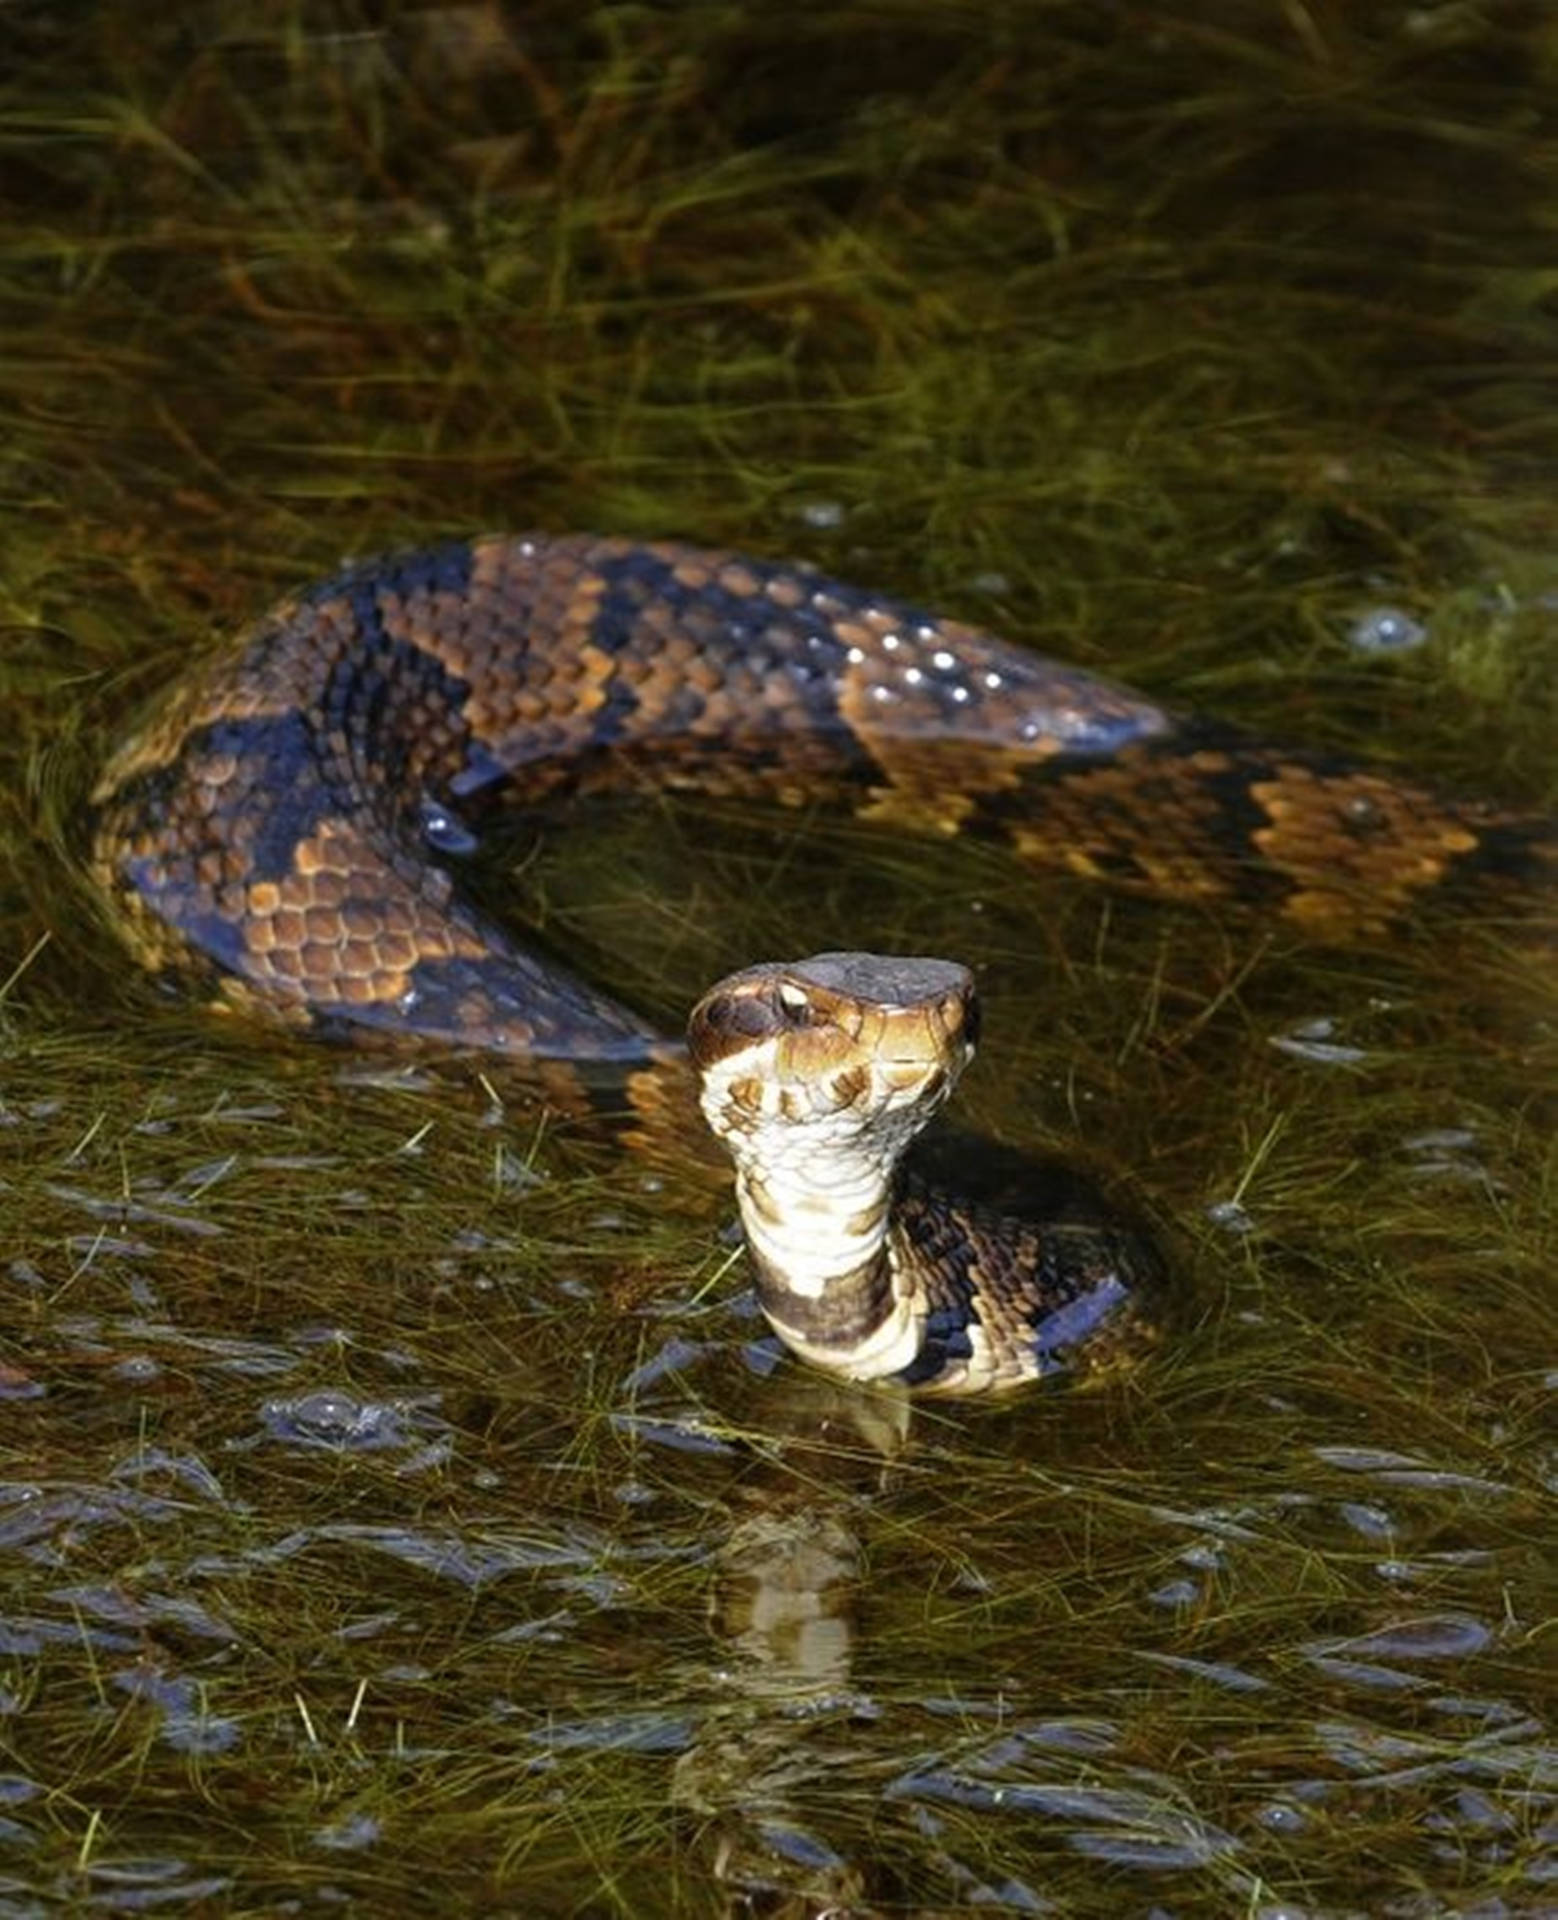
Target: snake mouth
x,y
861,1031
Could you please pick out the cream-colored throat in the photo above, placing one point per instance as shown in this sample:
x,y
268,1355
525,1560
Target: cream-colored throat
x,y
817,1229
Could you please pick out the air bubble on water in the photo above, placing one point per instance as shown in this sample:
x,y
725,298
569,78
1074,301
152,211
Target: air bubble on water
x,y
1386,630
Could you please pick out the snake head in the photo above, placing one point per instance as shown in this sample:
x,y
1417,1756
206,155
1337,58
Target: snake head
x,y
841,1044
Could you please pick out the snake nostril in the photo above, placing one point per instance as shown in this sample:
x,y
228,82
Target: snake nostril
x,y
722,1023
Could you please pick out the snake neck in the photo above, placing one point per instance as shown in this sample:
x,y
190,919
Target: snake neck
x,y
819,1236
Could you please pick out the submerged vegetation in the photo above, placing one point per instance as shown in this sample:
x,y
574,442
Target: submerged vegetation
x,y
399,1504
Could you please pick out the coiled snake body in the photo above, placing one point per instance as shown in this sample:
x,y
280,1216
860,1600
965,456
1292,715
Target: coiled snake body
x,y
275,828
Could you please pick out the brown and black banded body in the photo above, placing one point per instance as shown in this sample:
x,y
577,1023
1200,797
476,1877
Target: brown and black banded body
x,y
1058,1280
276,830
1061,1295
279,821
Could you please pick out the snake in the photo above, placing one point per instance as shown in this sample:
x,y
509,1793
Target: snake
x,y
285,831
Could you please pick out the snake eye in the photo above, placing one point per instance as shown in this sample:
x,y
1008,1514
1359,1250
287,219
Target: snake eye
x,y
795,1001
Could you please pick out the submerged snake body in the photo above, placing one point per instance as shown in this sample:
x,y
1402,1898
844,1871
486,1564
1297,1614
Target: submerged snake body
x,y
278,823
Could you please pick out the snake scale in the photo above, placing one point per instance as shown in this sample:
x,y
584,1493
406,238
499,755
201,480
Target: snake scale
x,y
284,828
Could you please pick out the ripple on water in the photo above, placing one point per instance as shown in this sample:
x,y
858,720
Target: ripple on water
x,y
1393,1469
1145,1827
340,1422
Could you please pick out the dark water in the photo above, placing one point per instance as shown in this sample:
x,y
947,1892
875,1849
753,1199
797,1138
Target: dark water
x,y
400,1508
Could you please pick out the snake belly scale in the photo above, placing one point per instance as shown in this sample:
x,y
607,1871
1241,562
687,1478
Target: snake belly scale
x,y
274,829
